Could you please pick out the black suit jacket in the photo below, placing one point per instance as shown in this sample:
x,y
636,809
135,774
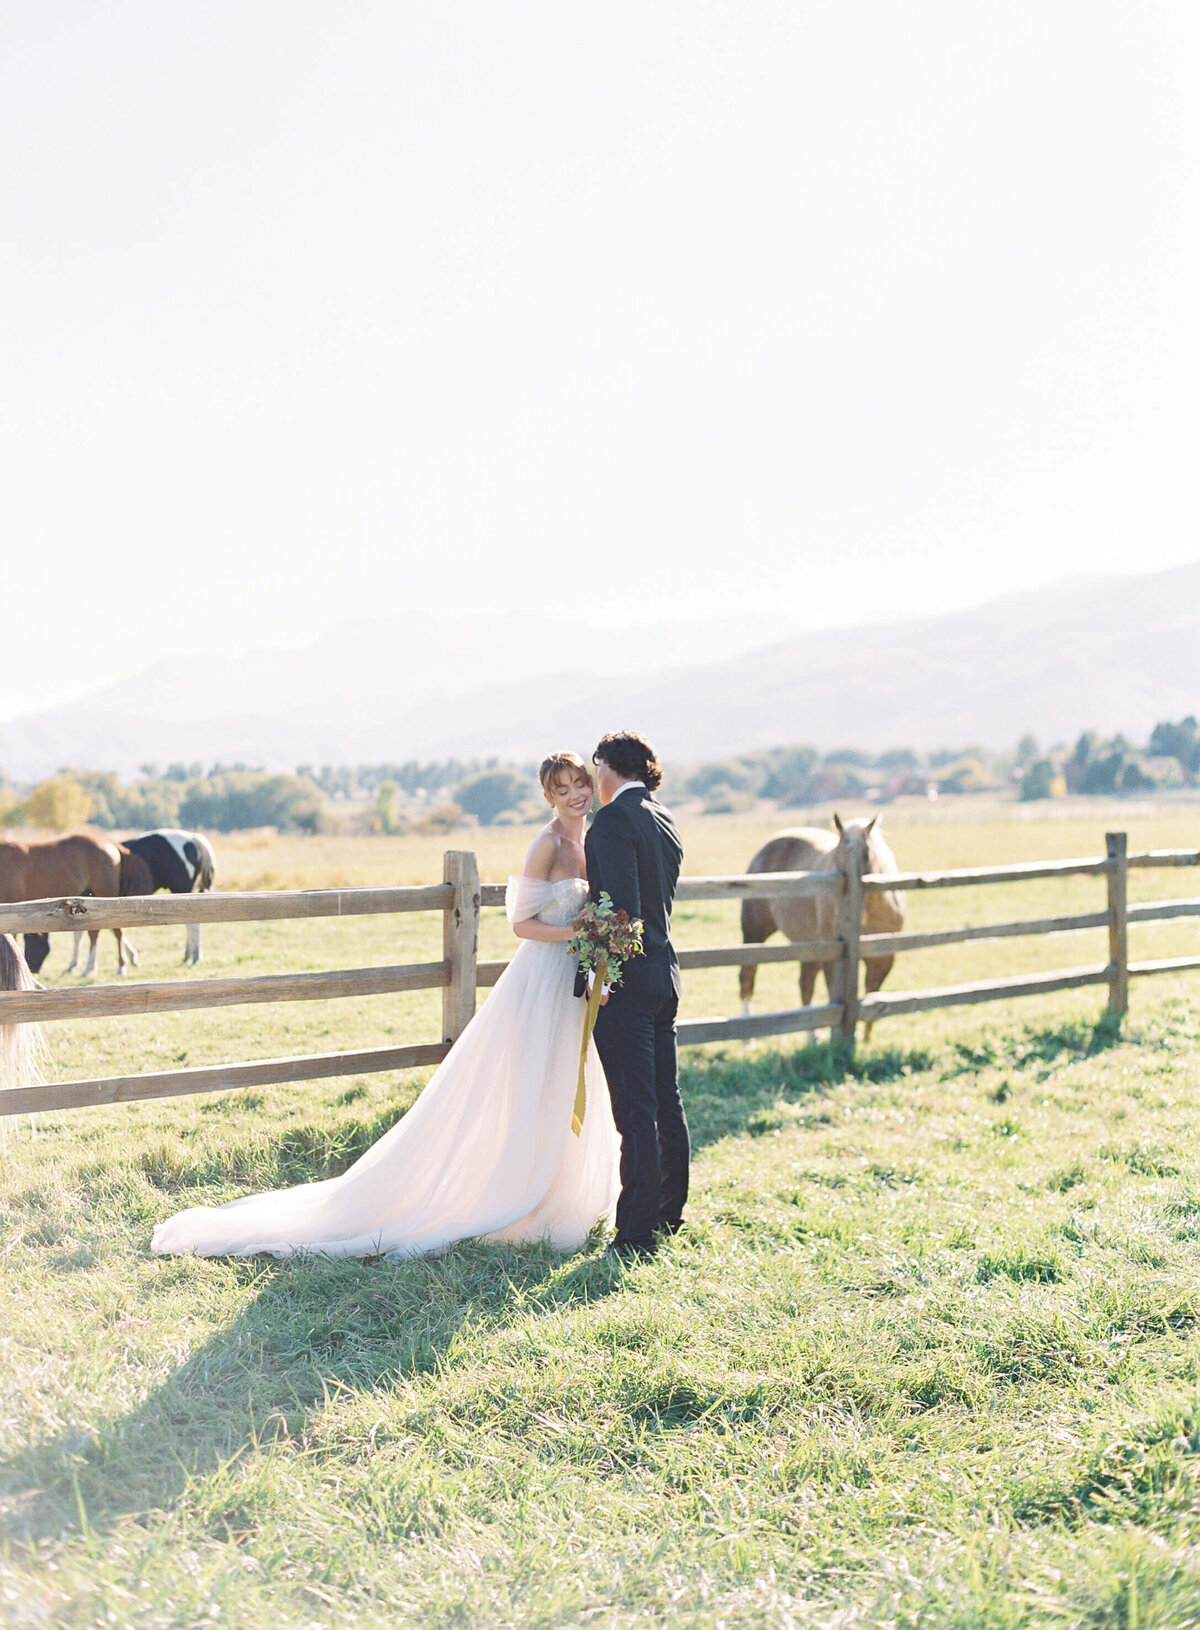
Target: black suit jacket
x,y
634,854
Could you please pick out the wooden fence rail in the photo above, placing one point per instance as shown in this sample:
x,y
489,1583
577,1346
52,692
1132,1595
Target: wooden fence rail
x,y
460,974
877,883
174,995
158,910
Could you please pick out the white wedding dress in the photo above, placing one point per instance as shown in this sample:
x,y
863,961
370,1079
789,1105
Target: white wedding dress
x,y
486,1151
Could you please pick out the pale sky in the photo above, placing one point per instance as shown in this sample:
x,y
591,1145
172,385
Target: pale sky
x,y
843,311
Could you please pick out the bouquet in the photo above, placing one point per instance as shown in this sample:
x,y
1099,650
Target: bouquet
x,y
604,942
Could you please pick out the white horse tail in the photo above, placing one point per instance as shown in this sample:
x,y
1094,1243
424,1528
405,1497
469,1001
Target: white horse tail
x,y
22,1051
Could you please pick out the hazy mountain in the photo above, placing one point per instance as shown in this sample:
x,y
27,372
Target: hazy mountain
x,y
1116,654
369,667
1110,653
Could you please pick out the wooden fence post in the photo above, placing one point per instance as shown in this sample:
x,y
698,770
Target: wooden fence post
x,y
460,942
1116,845
848,929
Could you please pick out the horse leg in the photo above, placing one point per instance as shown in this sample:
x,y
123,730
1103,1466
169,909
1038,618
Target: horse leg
x,y
76,938
878,969
90,967
191,950
808,986
758,924
126,954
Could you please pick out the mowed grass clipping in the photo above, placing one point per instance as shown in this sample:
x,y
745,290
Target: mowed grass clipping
x,y
927,1355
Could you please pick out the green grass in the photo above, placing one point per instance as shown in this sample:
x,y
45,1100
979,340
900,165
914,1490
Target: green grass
x,y
927,1355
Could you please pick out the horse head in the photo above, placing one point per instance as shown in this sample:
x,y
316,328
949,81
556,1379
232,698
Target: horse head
x,y
864,841
854,838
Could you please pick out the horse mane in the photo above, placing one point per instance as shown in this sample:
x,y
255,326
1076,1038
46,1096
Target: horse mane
x,y
136,876
882,862
879,855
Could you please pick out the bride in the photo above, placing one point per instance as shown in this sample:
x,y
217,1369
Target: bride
x,y
487,1150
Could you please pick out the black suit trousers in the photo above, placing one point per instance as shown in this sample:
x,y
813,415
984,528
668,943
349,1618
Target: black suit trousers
x,y
635,1037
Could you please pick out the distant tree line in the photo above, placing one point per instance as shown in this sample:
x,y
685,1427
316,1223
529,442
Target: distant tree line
x,y
441,794
795,777
224,800
432,796
802,776
412,779
1099,766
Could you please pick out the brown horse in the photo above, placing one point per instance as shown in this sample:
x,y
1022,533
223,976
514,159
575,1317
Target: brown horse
x,y
74,865
812,917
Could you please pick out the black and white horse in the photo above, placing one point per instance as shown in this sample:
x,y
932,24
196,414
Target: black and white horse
x,y
181,862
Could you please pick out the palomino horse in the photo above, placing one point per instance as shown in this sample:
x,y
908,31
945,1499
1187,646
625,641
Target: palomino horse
x,y
812,917
20,1044
76,864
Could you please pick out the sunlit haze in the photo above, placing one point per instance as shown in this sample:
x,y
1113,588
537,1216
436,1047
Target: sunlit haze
x,y
628,313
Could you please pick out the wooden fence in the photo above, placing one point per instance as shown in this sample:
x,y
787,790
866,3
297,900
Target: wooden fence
x,y
459,974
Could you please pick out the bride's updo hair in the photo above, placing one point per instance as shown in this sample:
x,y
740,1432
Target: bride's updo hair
x,y
557,763
631,756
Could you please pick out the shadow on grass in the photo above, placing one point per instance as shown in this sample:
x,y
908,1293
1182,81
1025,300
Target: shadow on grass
x,y
735,1092
730,1093
312,1328
1054,1045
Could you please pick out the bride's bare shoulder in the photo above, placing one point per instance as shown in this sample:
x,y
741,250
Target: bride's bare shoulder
x,y
543,852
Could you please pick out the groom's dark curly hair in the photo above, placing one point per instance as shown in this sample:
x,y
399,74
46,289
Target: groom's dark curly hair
x,y
631,756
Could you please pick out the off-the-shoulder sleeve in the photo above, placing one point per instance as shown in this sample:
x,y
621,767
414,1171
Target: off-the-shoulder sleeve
x,y
526,896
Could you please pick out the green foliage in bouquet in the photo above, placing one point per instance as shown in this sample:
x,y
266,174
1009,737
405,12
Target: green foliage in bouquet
x,y
605,938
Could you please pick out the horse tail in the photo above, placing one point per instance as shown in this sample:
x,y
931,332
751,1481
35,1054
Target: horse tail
x,y
22,1051
14,970
208,864
136,876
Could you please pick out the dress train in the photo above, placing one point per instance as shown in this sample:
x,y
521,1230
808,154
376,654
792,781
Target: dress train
x,y
486,1151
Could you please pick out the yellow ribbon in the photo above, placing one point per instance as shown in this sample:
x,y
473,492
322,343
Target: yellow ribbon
x,y
589,1024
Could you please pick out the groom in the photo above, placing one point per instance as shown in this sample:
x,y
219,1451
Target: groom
x,y
634,854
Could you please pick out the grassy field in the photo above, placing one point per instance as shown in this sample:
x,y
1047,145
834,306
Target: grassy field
x,y
927,1356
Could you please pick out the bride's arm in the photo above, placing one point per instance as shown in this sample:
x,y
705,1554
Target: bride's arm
x,y
539,862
